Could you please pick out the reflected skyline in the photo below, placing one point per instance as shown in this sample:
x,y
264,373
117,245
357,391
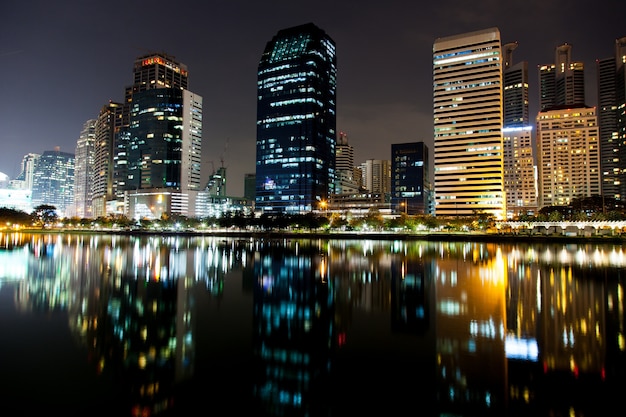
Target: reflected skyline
x,y
491,326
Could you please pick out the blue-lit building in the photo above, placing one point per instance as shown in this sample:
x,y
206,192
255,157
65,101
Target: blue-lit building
x,y
296,121
411,188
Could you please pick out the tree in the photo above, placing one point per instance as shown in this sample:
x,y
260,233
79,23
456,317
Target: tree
x,y
45,215
11,216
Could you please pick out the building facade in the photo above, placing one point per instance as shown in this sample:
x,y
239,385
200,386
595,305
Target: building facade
x,y
467,107
296,121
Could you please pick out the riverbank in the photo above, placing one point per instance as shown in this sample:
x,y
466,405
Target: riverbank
x,y
436,236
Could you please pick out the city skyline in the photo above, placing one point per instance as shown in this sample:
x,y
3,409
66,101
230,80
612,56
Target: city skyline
x,y
61,65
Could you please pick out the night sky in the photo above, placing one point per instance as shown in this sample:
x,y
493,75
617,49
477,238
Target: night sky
x,y
61,61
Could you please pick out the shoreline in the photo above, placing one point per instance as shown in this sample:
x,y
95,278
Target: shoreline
x,y
439,236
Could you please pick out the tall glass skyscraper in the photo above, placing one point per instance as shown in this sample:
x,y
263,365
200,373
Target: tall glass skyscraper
x,y
467,107
296,121
158,163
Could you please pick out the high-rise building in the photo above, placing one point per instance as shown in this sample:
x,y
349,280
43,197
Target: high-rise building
x,y
515,93
568,155
296,121
53,181
249,186
344,158
345,182
562,83
467,107
411,190
83,170
620,97
376,176
104,189
520,183
158,153
150,71
610,84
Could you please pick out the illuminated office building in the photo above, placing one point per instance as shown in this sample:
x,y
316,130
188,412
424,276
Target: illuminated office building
x,y
296,121
83,170
410,182
103,186
520,184
568,155
158,161
467,109
611,84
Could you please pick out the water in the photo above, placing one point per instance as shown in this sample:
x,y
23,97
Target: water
x,y
174,326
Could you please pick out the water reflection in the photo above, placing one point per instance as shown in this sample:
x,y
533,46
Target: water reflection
x,y
334,326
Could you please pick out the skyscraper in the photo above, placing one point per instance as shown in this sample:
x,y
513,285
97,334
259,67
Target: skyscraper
x,y
562,83
104,188
83,170
151,71
159,152
520,185
296,121
467,107
611,121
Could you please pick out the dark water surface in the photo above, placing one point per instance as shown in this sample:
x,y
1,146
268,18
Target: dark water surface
x,y
106,325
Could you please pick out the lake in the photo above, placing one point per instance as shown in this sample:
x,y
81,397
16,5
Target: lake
x,y
124,325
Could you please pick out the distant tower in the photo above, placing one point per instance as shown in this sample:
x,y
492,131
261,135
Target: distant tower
x,y
344,167
53,181
344,159
467,107
296,121
410,184
83,170
24,181
249,186
612,121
